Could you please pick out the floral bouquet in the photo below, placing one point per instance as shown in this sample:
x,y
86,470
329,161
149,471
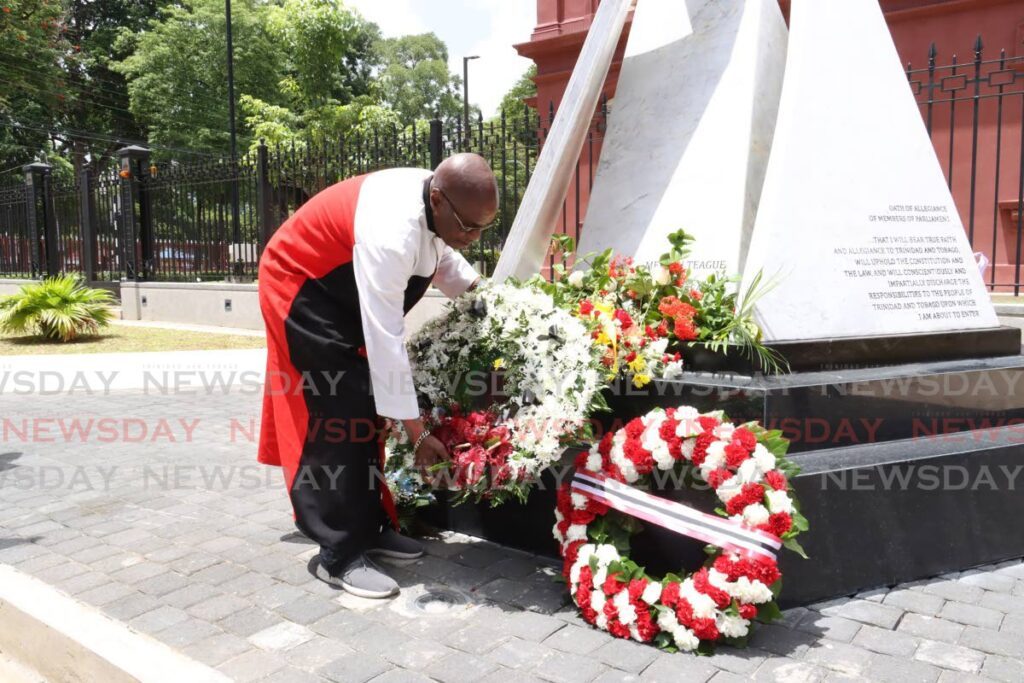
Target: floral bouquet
x,y
642,316
507,379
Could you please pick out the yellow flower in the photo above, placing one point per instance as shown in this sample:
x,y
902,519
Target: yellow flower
x,y
640,381
638,364
499,363
602,340
607,309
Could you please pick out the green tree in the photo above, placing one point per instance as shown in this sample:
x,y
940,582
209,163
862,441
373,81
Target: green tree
x,y
414,79
177,71
32,45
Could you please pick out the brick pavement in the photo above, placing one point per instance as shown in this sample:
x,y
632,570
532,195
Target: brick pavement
x,y
178,533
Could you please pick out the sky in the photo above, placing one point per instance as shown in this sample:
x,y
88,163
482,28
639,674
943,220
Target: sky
x,y
487,28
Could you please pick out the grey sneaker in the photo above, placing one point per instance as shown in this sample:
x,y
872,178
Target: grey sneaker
x,y
365,579
390,543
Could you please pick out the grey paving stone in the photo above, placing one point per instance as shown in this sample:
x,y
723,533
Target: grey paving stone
x,y
990,581
247,583
165,583
615,676
131,606
993,642
252,666
401,676
187,632
377,637
306,609
1013,623
281,636
837,656
516,653
292,674
782,641
158,619
515,567
60,572
80,583
276,595
1003,669
885,669
219,573
914,601
1014,568
1010,604
577,639
341,624
971,615
504,591
791,617
417,653
315,653
193,562
869,612
33,564
885,641
460,668
832,627
354,668
189,595
685,667
931,628
503,675
476,638
138,573
218,607
954,590
530,625
250,620
562,667
626,655
950,656
105,594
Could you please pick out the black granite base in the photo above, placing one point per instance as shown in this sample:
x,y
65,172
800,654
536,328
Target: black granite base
x,y
908,472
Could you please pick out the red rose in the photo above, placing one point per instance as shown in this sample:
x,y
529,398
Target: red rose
x,y
776,479
586,307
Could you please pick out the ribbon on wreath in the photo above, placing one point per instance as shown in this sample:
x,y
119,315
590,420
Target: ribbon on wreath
x,y
677,517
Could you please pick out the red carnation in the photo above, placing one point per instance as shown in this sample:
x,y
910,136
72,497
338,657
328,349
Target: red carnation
x,y
639,456
735,454
636,589
605,447
645,626
776,479
750,493
748,611
745,437
634,428
676,268
718,477
583,517
618,629
778,523
705,629
612,585
700,448
703,584
670,594
586,307
684,612
684,328
708,422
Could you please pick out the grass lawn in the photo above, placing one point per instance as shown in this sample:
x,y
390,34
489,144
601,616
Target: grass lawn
x,y
119,339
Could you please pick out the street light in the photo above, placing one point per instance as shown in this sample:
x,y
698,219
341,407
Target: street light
x,y
465,95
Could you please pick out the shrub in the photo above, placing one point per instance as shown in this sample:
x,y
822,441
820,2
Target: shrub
x,y
58,308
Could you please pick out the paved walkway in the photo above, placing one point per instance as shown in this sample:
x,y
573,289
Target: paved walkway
x,y
163,520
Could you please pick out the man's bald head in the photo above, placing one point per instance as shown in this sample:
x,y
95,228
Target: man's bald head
x,y
467,179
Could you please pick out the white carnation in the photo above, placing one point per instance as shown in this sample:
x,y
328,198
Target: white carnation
x,y
755,592
779,501
651,593
579,501
729,489
685,639
724,431
703,606
715,456
764,458
627,613
667,621
754,515
606,554
749,472
718,579
594,460
732,627
576,532
687,448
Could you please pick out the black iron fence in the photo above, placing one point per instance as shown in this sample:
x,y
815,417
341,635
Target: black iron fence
x,y
974,111
142,220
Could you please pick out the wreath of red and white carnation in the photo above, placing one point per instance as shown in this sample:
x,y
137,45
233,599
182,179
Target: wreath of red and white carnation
x,y
744,467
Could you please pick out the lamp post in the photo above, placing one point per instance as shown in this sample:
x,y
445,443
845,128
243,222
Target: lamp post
x,y
236,226
465,96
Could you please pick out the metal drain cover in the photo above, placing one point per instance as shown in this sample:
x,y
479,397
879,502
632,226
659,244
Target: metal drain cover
x,y
437,600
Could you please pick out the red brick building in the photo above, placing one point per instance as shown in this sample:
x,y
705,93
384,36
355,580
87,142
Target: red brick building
x,y
981,149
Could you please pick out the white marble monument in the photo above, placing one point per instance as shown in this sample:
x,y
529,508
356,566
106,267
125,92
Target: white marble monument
x,y
690,131
856,224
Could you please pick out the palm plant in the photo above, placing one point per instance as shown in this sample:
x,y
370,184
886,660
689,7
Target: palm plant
x,y
58,308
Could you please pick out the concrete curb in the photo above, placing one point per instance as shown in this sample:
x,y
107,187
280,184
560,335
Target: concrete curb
x,y
65,640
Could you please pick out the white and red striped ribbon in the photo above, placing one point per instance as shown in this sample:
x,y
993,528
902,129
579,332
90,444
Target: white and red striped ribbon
x,y
682,519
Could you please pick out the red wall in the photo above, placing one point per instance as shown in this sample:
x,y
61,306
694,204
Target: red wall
x,y
953,25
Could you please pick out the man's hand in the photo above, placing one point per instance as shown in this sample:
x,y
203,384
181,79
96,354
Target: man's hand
x,y
430,452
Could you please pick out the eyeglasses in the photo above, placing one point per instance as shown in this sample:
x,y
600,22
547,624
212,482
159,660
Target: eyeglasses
x,y
462,226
